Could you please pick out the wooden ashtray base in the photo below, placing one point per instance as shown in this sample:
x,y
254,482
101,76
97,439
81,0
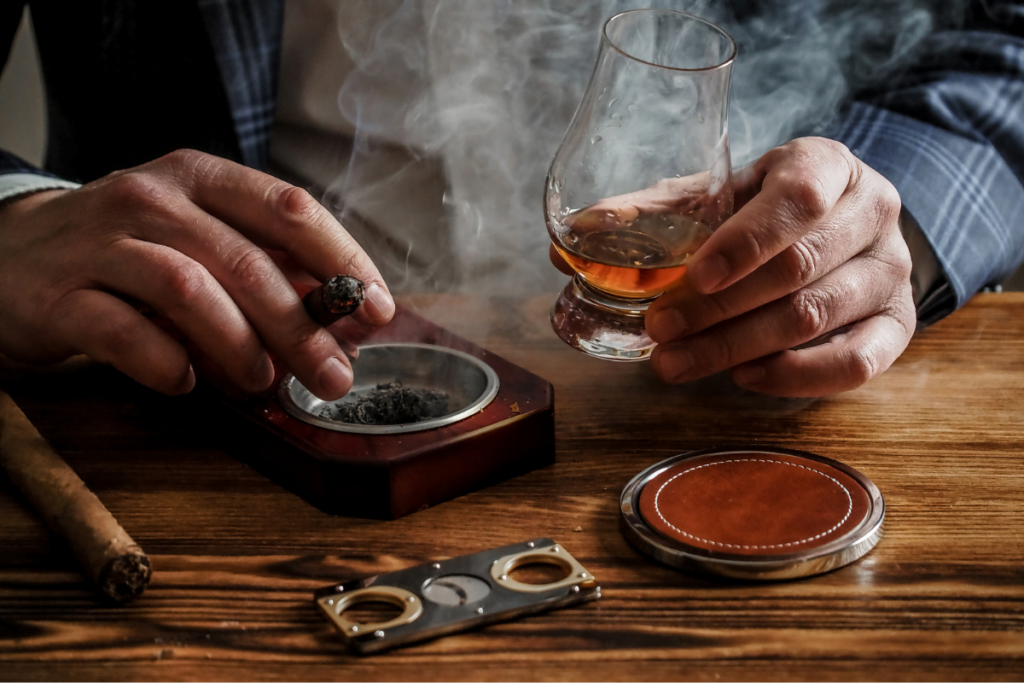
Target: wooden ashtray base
x,y
386,476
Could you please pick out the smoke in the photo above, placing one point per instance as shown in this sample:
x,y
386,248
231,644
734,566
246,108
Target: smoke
x,y
458,107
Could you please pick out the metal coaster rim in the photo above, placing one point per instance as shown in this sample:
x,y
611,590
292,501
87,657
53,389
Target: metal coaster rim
x,y
490,391
833,555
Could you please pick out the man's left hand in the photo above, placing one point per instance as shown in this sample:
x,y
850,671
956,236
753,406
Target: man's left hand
x,y
813,253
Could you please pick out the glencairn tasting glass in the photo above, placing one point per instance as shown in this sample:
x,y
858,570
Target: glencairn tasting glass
x,y
642,177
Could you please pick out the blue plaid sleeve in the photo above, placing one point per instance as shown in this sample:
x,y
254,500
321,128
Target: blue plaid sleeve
x,y
246,39
11,163
949,134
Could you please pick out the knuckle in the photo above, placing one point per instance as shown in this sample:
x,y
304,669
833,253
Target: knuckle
x,y
800,147
847,160
306,339
192,167
839,152
905,314
810,309
893,259
187,159
185,282
728,352
137,192
902,263
805,196
862,365
712,309
887,203
759,246
296,207
353,258
799,264
250,267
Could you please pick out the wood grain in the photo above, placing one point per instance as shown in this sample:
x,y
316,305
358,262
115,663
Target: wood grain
x,y
236,558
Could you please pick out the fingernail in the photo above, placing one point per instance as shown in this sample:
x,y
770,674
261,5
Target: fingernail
x,y
189,383
379,305
666,325
675,363
263,373
748,375
334,378
350,349
708,273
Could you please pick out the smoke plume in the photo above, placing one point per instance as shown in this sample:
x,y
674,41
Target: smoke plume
x,y
480,92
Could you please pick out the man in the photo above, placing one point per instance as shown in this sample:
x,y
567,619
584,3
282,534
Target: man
x,y
815,249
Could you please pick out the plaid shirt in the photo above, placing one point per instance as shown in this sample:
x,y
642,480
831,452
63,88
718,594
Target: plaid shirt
x,y
246,38
948,133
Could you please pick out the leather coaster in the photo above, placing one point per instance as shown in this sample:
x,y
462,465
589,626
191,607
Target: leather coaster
x,y
753,513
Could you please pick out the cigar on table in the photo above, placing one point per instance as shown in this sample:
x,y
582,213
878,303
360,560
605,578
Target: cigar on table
x,y
109,556
333,300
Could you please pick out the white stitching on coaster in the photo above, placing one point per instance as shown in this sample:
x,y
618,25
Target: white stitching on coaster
x,y
849,509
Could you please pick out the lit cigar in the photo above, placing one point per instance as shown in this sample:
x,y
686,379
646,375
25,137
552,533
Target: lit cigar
x,y
106,552
334,299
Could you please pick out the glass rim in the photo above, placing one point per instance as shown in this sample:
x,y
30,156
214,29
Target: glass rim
x,y
715,27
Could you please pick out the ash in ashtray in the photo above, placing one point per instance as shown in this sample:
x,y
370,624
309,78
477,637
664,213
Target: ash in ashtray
x,y
391,404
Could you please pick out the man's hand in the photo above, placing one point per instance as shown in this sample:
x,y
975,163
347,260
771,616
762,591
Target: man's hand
x,y
814,251
183,236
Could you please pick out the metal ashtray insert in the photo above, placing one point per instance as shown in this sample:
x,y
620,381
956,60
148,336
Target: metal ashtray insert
x,y
470,384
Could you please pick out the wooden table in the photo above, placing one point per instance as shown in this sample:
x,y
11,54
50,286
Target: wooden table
x,y
236,557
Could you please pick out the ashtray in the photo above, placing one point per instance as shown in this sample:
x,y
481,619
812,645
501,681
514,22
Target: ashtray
x,y
752,513
499,424
465,384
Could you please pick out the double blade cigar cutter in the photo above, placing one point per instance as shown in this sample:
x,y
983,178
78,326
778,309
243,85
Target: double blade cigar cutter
x,y
441,598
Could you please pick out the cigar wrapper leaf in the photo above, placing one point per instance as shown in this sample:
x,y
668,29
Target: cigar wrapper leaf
x,y
109,556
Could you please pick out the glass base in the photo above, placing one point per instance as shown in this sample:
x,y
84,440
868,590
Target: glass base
x,y
601,325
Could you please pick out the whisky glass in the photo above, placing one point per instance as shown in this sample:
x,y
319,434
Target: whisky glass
x,y
642,177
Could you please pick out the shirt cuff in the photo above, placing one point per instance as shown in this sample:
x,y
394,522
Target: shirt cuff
x,y
16,184
934,297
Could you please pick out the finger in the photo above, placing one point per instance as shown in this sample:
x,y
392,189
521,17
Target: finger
x,y
182,290
558,262
860,289
260,291
277,215
842,363
747,183
350,333
846,232
110,331
803,181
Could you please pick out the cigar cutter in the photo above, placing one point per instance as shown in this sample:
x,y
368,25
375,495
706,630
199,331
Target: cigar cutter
x,y
441,598
752,513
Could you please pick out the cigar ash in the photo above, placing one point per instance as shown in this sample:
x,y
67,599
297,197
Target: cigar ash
x,y
390,403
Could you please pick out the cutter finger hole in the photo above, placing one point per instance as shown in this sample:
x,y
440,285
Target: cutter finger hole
x,y
539,570
372,611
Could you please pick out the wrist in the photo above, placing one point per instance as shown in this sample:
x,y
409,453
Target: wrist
x,y
21,204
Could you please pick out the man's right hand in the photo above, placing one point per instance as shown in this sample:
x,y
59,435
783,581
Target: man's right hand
x,y
184,236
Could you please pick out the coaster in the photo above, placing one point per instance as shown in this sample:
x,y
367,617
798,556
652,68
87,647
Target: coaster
x,y
756,513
